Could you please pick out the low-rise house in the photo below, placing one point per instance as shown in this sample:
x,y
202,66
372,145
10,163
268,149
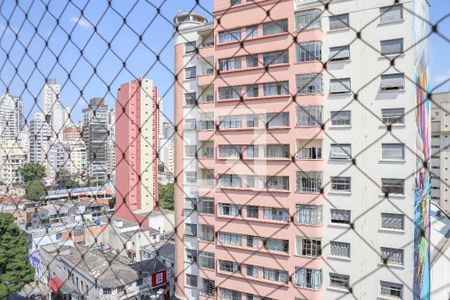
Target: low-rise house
x,y
94,274
165,251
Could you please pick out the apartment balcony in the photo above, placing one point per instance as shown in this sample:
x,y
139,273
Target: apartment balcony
x,y
206,49
205,135
207,73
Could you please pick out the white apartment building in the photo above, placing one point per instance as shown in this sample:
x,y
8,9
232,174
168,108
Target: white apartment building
x,y
12,157
11,117
337,206
440,150
39,138
54,112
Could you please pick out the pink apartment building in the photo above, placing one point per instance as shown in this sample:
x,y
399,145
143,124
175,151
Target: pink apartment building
x,y
136,155
286,186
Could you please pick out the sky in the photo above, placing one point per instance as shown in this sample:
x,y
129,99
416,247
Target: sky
x,y
28,56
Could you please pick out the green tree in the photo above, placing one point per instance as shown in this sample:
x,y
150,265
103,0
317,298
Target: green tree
x,y
166,195
32,171
65,180
15,268
35,190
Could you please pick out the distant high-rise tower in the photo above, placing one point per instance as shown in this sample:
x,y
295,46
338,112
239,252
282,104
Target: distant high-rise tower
x,y
53,110
136,149
111,144
440,150
11,117
39,135
95,137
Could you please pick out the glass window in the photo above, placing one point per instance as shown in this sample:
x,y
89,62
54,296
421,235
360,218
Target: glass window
x,y
206,233
309,115
340,249
206,259
252,241
341,184
393,115
206,206
339,21
276,88
339,280
276,245
190,72
251,31
208,287
339,53
340,86
341,151
308,278
277,151
277,183
276,214
252,61
190,47
391,82
275,275
230,151
308,214
252,122
230,180
227,238
252,90
308,19
392,256
305,152
393,151
277,119
394,46
191,177
253,212
190,229
230,92
252,270
393,290
190,203
392,186
234,2
275,27
340,216
309,51
191,255
308,247
390,14
190,99
206,121
230,122
230,36
309,84
191,280
276,58
339,118
392,221
227,209
309,182
229,266
229,64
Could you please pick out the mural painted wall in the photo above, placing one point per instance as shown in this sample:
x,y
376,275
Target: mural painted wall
x,y
422,177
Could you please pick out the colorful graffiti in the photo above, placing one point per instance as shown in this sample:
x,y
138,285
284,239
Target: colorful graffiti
x,y
422,193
